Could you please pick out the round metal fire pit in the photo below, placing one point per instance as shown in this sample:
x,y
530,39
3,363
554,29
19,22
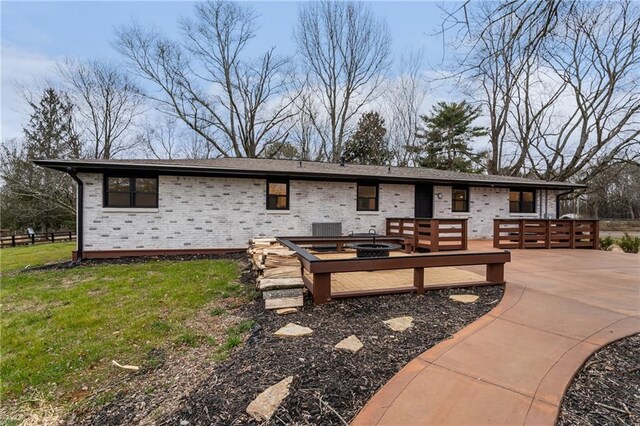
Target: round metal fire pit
x,y
373,249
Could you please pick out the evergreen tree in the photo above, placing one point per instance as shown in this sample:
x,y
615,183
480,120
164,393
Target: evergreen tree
x,y
51,132
447,133
368,145
32,196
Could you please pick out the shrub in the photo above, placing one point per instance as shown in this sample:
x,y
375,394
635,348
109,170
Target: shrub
x,y
606,242
629,244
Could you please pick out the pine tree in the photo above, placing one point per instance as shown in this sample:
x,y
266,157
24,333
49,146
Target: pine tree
x,y
32,196
51,132
368,145
447,133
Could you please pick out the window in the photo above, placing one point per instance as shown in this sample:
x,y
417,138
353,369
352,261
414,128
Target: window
x,y
277,194
522,201
130,191
367,198
460,199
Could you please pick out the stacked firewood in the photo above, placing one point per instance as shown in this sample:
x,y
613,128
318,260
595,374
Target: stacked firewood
x,y
279,275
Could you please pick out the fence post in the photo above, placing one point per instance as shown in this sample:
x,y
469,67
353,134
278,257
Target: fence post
x,y
596,234
521,233
53,237
465,235
33,239
572,231
547,235
435,235
13,240
70,236
415,235
496,233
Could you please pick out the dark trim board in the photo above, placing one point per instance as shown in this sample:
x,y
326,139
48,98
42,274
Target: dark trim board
x,y
116,254
184,170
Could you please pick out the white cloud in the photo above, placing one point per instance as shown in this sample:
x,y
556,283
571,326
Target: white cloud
x,y
20,70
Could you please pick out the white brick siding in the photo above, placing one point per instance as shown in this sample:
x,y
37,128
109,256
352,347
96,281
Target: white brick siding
x,y
486,204
208,212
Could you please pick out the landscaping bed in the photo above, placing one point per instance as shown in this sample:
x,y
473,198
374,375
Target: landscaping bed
x,y
329,386
606,391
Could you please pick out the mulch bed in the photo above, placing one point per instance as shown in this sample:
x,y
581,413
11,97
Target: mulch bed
x,y
329,387
137,259
606,390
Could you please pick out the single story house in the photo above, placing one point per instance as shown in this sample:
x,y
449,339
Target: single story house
x,y
128,207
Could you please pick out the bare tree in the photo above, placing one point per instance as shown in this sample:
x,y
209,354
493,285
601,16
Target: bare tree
x,y
563,94
403,100
168,138
108,103
239,106
345,54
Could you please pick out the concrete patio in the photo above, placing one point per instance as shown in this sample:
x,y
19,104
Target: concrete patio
x,y
513,365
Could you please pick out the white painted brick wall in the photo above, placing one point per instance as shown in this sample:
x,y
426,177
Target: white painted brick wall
x,y
208,212
486,204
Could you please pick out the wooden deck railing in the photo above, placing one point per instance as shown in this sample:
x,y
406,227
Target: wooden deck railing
x,y
546,233
430,234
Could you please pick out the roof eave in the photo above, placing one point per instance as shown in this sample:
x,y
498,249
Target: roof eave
x,y
101,167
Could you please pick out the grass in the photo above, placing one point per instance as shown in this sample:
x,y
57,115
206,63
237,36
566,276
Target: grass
x,y
14,258
61,328
235,337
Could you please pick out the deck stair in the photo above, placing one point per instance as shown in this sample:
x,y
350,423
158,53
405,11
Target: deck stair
x,y
279,279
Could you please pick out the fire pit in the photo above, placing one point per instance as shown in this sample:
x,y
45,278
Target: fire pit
x,y
373,249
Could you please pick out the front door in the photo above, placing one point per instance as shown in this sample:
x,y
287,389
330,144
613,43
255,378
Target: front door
x,y
424,201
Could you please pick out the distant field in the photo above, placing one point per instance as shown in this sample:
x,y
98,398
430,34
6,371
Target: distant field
x,y
62,328
13,258
620,225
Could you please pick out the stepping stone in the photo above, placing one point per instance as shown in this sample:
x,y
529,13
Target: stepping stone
x,y
464,298
284,302
399,323
265,404
280,283
282,272
350,344
293,330
276,294
286,311
287,298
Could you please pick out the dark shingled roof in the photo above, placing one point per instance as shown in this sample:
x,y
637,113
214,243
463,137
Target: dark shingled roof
x,y
256,167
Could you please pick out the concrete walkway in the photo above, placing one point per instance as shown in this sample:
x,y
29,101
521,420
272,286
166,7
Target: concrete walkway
x,y
513,365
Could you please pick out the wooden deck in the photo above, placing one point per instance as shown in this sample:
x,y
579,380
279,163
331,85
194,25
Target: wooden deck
x,y
363,283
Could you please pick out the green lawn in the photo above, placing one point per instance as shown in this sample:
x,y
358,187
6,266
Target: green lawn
x,y
61,328
12,258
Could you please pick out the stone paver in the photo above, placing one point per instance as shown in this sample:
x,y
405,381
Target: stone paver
x,y
350,344
293,330
265,404
464,298
399,323
513,365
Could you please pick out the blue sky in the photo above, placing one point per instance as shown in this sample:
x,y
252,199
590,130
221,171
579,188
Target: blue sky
x,y
37,34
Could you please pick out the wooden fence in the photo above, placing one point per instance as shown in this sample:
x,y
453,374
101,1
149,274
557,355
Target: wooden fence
x,y
546,233
430,234
40,237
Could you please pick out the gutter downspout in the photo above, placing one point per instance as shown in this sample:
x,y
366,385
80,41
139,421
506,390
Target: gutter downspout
x,y
80,206
558,201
